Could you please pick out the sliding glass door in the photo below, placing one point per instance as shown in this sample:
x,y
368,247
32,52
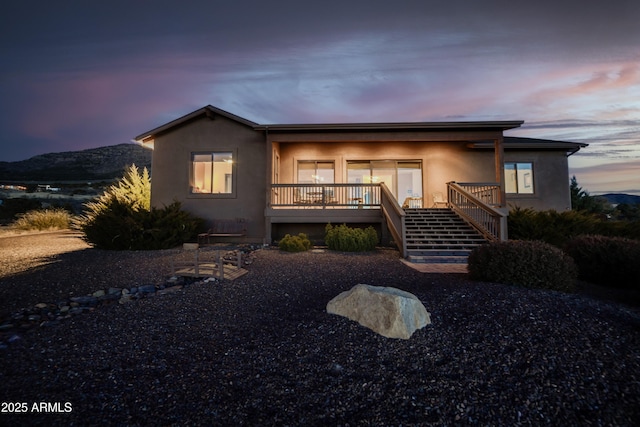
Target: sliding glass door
x,y
403,178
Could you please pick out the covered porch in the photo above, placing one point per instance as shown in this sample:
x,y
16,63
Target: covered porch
x,y
373,173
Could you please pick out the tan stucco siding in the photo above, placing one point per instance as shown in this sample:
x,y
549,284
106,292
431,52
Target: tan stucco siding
x,y
551,180
441,161
171,171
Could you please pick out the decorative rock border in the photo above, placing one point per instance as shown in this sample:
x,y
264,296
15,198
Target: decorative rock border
x,y
48,314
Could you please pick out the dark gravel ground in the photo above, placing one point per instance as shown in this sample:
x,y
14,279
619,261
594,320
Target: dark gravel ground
x,y
261,350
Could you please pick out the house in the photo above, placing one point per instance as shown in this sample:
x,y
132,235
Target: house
x,y
290,178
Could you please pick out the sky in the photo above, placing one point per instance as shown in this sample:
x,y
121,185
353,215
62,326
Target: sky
x,y
85,74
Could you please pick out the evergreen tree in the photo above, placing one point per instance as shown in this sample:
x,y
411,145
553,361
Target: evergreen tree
x,y
577,194
581,200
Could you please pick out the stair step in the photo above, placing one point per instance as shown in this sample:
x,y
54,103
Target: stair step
x,y
439,236
448,236
433,242
421,250
439,252
442,237
437,260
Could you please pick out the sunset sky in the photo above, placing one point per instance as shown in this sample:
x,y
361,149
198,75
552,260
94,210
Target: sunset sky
x,y
84,74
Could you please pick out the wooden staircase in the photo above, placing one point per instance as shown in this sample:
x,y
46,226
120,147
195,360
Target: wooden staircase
x,y
439,236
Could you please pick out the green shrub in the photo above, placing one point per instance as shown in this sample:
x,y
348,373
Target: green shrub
x,y
610,261
121,227
171,226
299,243
531,264
117,226
557,228
343,238
47,219
552,227
121,218
624,228
132,190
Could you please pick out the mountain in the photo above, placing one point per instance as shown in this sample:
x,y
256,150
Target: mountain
x,y
102,163
616,199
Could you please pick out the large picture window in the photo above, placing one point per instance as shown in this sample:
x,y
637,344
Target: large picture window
x,y
212,173
518,178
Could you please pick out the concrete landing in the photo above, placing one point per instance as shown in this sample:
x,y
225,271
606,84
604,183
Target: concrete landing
x,y
437,268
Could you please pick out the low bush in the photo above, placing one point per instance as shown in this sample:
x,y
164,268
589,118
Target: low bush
x,y
299,243
343,238
624,228
120,226
609,261
557,228
552,227
530,264
46,219
122,219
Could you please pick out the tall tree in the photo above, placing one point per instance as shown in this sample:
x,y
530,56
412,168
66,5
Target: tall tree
x,y
581,200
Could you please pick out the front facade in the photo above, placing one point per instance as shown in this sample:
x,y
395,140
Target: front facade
x,y
293,178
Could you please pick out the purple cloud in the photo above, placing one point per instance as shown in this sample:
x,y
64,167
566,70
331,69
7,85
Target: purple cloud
x,y
86,74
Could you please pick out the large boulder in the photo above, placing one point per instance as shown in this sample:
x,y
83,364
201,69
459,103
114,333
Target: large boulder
x,y
390,312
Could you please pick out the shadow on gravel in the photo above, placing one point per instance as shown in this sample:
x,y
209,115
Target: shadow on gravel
x,y
82,272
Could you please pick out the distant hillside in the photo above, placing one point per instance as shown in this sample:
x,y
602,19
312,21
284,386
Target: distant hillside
x,y
617,199
93,164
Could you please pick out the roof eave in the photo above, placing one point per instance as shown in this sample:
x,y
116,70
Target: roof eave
x,y
517,143
208,110
500,125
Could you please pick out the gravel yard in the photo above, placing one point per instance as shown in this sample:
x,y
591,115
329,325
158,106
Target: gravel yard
x,y
261,350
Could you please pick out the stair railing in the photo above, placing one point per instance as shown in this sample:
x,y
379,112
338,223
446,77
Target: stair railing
x,y
488,220
488,192
395,217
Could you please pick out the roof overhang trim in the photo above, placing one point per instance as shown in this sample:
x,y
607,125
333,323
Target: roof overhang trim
x,y
515,143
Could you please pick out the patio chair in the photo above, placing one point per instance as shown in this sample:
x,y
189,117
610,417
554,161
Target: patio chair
x,y
438,199
299,198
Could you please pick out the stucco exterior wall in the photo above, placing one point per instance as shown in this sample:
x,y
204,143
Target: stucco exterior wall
x,y
262,154
441,161
550,180
171,171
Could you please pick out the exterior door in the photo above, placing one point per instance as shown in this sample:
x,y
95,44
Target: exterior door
x,y
403,178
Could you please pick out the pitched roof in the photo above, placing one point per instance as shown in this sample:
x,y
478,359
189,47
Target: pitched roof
x,y
208,111
211,111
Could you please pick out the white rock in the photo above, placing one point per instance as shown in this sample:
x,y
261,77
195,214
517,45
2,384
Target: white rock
x,y
390,312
